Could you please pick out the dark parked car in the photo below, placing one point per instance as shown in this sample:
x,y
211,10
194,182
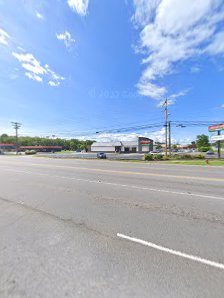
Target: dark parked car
x,y
101,155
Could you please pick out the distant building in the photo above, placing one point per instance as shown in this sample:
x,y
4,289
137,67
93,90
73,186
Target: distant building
x,y
41,148
140,145
4,147
12,147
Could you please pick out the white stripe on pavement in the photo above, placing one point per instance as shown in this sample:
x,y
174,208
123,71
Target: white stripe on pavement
x,y
172,252
122,185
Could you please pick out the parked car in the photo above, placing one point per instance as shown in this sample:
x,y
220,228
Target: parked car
x,y
101,155
210,152
156,152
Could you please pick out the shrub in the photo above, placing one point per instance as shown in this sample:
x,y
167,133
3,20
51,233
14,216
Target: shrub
x,y
165,157
199,156
204,149
176,156
148,157
158,157
186,156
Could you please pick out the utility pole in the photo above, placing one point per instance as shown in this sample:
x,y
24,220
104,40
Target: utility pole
x,y
165,105
170,148
219,145
16,126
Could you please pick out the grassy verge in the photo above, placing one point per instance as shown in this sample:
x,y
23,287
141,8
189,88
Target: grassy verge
x,y
196,162
65,151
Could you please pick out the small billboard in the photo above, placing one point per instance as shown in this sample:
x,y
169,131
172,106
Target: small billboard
x,y
216,127
217,138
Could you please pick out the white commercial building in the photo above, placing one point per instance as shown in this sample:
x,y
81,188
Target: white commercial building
x,y
140,145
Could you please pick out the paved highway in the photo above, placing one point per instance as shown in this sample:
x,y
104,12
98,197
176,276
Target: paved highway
x,y
87,228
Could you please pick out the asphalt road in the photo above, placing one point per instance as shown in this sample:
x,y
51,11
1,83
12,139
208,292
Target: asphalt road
x,y
114,156
92,155
78,228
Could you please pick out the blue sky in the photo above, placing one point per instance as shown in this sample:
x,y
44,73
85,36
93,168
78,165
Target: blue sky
x,y
70,68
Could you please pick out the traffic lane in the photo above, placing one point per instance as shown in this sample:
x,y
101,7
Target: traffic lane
x,y
209,175
190,204
162,181
195,171
194,235
35,257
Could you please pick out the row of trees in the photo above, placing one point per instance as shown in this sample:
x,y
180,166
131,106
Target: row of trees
x,y
201,143
72,144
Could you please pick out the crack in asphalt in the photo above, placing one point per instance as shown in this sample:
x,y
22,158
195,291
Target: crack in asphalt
x,y
81,224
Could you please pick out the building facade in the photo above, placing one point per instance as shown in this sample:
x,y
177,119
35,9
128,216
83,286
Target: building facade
x,y
7,147
140,145
41,148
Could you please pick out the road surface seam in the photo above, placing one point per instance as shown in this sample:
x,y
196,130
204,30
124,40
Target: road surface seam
x,y
21,204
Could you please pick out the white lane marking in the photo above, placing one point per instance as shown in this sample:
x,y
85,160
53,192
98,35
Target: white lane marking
x,y
122,185
172,251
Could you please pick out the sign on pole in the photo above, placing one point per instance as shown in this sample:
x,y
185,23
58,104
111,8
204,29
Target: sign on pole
x,y
217,138
216,127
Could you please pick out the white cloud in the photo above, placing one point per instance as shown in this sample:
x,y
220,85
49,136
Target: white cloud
x,y
30,63
144,11
172,98
35,71
157,136
217,45
34,77
4,37
179,94
21,49
195,69
174,31
149,89
39,15
66,38
80,6
53,84
222,106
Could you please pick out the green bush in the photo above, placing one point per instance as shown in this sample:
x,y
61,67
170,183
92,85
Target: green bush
x,y
166,157
199,156
148,157
176,156
204,149
158,157
186,156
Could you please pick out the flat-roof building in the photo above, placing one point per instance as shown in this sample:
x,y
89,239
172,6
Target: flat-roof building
x,y
140,145
7,147
40,148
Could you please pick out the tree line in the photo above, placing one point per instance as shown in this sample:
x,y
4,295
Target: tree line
x,y
72,144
